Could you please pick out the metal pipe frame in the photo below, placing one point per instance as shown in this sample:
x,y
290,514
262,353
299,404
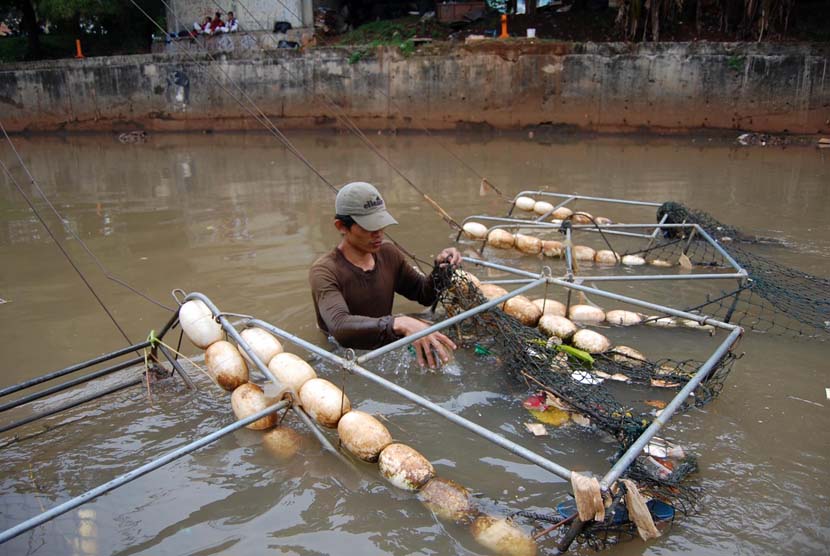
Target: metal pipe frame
x,y
614,278
702,319
69,384
70,405
86,364
647,277
177,367
374,354
522,223
609,229
352,366
571,197
135,473
68,370
263,368
634,450
508,282
576,285
740,272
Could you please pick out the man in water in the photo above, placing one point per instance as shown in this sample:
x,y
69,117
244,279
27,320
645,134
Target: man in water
x,y
354,285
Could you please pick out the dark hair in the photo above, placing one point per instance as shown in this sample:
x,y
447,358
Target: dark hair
x,y
347,220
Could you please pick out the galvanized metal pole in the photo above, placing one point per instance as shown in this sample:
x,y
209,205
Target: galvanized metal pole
x,y
135,473
68,370
70,405
487,434
448,322
69,384
496,266
702,319
634,450
177,367
571,197
647,277
504,222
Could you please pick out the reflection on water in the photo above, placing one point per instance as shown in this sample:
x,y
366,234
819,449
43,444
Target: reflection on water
x,y
237,217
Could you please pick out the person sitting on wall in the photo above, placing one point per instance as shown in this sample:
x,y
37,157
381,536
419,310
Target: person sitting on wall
x,y
217,23
354,285
203,28
232,26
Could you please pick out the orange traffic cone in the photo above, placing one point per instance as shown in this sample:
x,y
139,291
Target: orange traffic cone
x,y
78,53
504,34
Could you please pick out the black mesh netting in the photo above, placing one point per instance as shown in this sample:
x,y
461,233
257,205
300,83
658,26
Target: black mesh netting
x,y
530,356
774,298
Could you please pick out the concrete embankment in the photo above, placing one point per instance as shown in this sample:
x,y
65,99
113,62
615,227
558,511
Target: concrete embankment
x,y
671,87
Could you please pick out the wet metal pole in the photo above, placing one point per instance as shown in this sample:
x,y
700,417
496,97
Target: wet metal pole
x,y
68,370
637,447
634,450
448,322
485,433
702,319
646,277
177,367
504,222
66,385
80,366
570,197
71,404
135,473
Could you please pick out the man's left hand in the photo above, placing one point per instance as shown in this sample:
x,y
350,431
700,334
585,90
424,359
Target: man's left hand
x,y
449,256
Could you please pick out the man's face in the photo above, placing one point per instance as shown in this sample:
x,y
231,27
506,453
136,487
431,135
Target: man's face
x,y
362,239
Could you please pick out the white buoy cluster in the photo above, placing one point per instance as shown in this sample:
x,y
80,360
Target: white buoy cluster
x,y
360,433
542,208
499,238
229,366
553,314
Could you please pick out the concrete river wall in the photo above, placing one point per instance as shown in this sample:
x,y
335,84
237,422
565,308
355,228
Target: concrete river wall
x,y
671,87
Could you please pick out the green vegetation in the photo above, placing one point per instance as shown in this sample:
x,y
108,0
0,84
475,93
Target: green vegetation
x,y
397,33
393,32
104,28
736,63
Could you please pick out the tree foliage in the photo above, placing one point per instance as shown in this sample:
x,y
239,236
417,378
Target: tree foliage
x,y
105,26
747,19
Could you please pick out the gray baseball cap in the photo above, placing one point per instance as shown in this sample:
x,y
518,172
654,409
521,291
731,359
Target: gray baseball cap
x,y
363,203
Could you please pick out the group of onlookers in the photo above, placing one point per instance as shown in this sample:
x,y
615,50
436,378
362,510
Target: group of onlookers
x,y
216,25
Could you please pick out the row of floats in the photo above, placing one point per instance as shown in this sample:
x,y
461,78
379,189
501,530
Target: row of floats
x,y
499,238
363,435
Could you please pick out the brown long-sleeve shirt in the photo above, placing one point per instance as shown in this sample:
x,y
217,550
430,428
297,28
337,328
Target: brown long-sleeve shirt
x,y
355,305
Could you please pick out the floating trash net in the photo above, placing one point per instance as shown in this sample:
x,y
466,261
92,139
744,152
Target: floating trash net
x,y
572,376
576,384
774,298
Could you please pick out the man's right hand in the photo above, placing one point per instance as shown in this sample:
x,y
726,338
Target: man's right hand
x,y
441,344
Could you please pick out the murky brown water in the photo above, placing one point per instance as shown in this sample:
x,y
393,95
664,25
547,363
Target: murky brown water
x,y
239,219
